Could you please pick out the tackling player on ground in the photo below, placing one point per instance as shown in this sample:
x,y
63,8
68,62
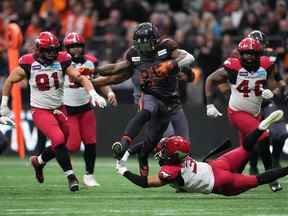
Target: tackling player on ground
x,y
81,117
45,70
219,176
154,64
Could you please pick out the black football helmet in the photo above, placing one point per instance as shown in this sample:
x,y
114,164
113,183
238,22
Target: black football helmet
x,y
146,38
260,36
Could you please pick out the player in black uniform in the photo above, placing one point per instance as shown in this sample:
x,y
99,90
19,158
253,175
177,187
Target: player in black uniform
x,y
278,131
155,64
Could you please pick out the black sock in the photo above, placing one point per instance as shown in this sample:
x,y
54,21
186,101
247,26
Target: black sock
x,y
136,148
63,157
264,153
47,154
272,175
277,150
253,159
90,157
251,139
136,123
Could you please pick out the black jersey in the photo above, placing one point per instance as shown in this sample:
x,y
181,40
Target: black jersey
x,y
156,75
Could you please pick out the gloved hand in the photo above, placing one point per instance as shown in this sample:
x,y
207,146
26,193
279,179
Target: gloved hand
x,y
266,94
96,99
4,110
212,111
120,167
5,120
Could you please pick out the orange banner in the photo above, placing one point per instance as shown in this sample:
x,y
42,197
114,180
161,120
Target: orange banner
x,y
14,40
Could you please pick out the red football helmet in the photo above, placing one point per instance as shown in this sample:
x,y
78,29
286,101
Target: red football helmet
x,y
47,46
172,150
250,52
249,45
73,38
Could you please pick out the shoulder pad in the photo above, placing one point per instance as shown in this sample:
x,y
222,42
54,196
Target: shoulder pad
x,y
26,59
169,173
266,61
131,54
91,58
63,56
169,44
232,64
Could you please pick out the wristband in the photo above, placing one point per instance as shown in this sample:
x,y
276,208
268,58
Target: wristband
x,y
4,101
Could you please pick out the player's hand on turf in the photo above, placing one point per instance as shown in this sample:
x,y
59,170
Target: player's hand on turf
x,y
212,111
120,167
97,100
111,97
267,94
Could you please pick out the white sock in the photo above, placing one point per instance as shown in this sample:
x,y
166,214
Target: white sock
x,y
40,160
125,156
68,172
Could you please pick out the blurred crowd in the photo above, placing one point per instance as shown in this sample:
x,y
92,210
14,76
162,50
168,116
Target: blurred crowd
x,y
208,29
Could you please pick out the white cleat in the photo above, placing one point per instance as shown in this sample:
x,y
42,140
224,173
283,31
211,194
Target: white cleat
x,y
272,118
90,181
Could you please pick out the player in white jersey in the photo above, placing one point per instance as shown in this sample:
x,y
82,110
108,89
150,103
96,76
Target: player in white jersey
x,y
219,176
45,69
81,116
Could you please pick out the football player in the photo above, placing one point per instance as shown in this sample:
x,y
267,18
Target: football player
x,y
81,117
154,65
247,76
45,69
219,176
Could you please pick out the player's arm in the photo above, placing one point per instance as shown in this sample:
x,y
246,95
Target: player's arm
x,y
117,68
141,181
217,77
109,94
214,79
96,99
112,79
183,58
15,76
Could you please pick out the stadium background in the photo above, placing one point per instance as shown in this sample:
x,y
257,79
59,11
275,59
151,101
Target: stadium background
x,y
209,29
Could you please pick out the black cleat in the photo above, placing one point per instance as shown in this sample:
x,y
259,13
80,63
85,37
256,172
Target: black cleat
x,y
73,183
275,186
118,150
38,168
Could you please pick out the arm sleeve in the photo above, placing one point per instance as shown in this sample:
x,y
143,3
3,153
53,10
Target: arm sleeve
x,y
141,181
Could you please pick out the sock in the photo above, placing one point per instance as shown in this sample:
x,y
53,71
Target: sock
x,y
63,157
277,150
253,160
272,175
90,157
47,155
251,139
136,123
68,173
264,153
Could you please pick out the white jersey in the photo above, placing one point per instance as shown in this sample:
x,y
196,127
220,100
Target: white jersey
x,y
246,86
46,82
197,176
74,94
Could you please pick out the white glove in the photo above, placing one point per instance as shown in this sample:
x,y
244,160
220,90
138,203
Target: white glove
x,y
4,110
266,94
5,120
120,167
96,99
212,111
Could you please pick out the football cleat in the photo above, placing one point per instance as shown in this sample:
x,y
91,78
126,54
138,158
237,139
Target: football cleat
x,y
272,118
90,181
275,186
73,183
118,150
38,168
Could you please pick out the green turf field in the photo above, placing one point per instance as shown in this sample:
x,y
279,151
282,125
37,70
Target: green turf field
x,y
20,194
